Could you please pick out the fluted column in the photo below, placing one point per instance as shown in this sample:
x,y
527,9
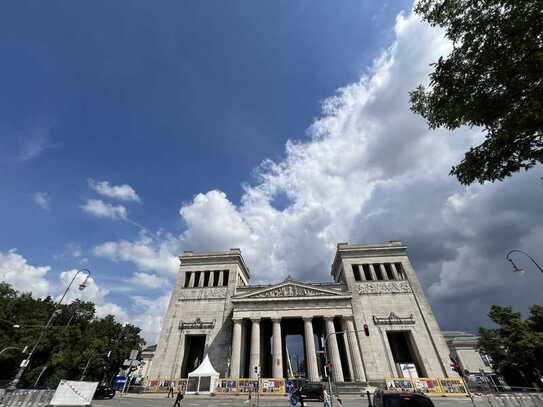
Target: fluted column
x,y
255,348
310,354
277,354
347,352
236,349
356,359
333,350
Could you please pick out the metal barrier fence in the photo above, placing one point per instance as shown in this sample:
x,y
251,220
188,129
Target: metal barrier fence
x,y
439,385
265,386
227,385
26,398
163,385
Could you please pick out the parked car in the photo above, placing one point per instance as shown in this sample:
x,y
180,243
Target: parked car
x,y
391,398
104,392
312,391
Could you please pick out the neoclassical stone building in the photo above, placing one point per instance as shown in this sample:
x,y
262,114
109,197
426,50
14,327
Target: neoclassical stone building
x,y
375,298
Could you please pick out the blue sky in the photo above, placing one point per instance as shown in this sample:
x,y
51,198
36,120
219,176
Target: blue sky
x,y
186,103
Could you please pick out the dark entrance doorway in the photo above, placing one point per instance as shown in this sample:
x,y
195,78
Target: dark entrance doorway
x,y
404,352
194,353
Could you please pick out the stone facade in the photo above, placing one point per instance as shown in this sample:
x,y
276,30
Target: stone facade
x,y
372,321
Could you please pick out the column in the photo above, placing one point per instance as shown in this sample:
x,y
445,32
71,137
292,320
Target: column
x,y
333,350
191,279
356,359
221,277
395,272
310,353
277,350
236,350
202,278
373,274
255,348
348,352
383,271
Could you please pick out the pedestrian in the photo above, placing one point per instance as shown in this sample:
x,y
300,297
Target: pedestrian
x,y
326,398
170,390
293,396
300,396
178,398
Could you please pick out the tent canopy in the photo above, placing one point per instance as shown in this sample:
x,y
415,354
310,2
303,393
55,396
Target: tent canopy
x,y
205,369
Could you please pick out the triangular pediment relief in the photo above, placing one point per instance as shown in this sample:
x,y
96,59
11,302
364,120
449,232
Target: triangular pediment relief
x,y
291,289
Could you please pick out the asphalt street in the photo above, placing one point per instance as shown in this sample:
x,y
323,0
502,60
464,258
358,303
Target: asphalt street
x,y
162,401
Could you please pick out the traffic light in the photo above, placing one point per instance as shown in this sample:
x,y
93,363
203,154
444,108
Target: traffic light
x,y
456,366
366,330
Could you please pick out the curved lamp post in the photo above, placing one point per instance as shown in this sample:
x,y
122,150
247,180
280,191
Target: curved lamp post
x,y
26,362
515,267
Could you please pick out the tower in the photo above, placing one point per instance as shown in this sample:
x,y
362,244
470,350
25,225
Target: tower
x,y
198,321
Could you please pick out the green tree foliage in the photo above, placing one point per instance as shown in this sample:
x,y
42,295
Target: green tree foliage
x,y
74,337
516,346
493,79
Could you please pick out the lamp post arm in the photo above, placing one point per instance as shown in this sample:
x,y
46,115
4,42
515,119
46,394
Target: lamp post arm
x,y
71,282
9,348
526,254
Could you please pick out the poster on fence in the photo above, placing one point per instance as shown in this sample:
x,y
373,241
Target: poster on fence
x,y
73,393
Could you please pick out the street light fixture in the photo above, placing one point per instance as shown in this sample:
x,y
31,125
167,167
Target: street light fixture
x,y
26,362
517,269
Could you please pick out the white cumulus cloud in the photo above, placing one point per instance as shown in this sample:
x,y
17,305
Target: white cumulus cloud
x,y
24,277
145,253
101,209
147,280
122,192
42,199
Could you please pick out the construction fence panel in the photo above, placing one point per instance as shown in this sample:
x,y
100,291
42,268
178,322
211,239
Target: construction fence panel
x,y
434,385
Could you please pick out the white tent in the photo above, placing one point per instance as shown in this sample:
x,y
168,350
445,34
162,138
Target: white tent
x,y
203,380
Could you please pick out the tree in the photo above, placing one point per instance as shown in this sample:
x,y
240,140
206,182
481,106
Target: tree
x,y
74,337
493,79
516,346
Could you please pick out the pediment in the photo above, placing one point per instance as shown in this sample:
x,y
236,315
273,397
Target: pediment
x,y
291,289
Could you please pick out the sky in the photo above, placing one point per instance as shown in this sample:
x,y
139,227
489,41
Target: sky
x,y
132,131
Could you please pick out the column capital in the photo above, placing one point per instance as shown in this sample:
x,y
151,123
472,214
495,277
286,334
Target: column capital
x,y
328,318
237,320
255,319
276,319
307,319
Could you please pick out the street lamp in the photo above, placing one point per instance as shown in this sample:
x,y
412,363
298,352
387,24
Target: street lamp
x,y
515,267
26,362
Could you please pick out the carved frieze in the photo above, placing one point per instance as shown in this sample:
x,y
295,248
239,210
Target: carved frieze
x,y
290,290
196,324
202,293
384,287
393,319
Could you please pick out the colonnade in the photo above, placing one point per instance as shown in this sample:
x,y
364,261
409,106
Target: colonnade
x,y
355,366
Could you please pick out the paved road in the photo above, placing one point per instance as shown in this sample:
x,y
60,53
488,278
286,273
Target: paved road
x,y
242,402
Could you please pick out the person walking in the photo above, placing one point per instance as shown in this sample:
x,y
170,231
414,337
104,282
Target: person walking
x,y
170,390
326,398
178,398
